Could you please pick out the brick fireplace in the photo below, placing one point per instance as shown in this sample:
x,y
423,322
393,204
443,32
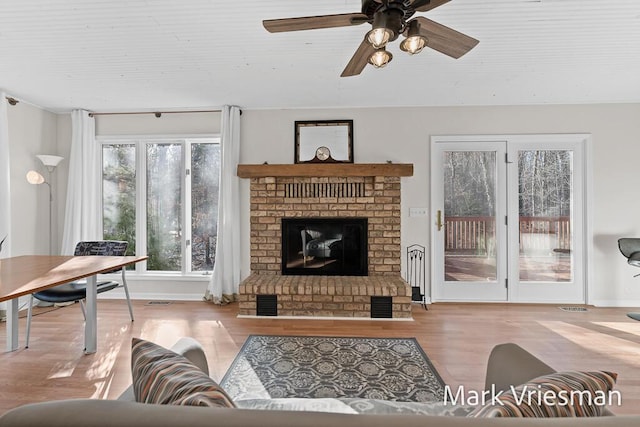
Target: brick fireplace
x,y
366,191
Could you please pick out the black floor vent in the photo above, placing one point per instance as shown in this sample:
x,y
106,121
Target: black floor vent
x,y
159,303
266,305
381,308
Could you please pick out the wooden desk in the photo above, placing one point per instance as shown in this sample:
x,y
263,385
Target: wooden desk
x,y
24,275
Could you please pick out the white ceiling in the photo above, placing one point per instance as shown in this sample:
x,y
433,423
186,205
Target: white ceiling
x,y
112,55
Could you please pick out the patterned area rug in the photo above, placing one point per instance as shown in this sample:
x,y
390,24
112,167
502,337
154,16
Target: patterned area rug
x,y
394,369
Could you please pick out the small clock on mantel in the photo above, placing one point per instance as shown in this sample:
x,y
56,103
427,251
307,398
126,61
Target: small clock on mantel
x,y
323,155
324,141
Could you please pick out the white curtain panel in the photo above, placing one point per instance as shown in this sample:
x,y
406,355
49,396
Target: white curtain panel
x,y
225,280
82,213
5,183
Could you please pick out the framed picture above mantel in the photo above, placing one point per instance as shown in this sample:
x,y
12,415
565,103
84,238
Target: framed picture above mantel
x,y
323,141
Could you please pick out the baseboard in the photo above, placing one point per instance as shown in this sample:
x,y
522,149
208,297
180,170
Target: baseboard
x,y
245,316
164,296
616,303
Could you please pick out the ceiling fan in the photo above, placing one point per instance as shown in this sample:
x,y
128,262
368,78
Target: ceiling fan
x,y
389,19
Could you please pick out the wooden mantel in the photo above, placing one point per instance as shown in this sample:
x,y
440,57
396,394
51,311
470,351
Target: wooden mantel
x,y
325,169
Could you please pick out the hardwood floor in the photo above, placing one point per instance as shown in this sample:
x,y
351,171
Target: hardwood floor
x,y
456,337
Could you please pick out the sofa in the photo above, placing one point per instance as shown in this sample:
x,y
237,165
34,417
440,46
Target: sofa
x,y
508,364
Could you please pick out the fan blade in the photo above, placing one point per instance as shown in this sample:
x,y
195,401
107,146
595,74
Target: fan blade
x,y
430,4
314,22
444,39
359,59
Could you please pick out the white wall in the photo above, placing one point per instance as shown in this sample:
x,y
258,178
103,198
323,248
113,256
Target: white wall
x,y
167,124
401,135
64,149
32,131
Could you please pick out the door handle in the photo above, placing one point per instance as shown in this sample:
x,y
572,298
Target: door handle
x,y
439,219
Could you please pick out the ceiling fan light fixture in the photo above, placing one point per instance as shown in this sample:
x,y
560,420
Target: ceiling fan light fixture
x,y
413,44
379,37
382,32
380,58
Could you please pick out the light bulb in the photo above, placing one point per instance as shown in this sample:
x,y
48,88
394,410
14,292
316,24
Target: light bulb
x,y
35,178
380,58
379,37
413,44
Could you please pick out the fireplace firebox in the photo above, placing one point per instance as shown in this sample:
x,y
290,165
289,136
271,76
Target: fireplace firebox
x,y
324,246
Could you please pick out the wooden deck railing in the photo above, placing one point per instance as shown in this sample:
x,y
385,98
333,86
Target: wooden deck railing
x,y
468,233
473,234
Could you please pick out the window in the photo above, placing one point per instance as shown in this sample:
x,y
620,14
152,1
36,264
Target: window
x,y
161,195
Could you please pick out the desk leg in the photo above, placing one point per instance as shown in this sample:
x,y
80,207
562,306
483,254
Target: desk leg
x,y
12,324
91,323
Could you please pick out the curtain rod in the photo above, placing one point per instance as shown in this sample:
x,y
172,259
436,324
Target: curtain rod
x,y
156,113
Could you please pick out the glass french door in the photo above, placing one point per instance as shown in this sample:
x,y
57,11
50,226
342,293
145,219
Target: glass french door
x,y
470,239
547,238
508,219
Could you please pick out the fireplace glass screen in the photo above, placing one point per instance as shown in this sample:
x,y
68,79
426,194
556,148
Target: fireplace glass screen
x,y
324,246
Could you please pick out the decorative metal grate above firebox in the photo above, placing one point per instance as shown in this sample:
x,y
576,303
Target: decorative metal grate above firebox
x,y
324,189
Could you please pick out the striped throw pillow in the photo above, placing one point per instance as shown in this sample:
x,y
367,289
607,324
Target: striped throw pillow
x,y
561,394
164,377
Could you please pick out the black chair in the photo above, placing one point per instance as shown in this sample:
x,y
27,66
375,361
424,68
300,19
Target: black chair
x,y
77,291
630,248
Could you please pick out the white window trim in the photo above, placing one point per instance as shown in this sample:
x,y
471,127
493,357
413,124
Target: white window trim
x,y
139,140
